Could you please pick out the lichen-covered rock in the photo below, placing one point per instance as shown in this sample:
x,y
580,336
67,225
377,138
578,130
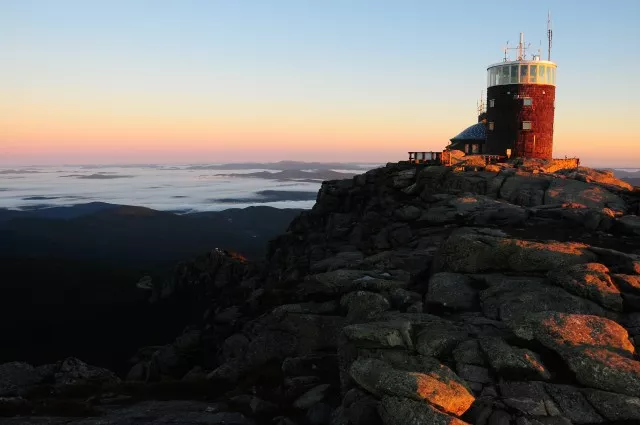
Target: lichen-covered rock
x,y
408,213
360,408
392,244
438,387
472,373
530,398
274,337
524,189
605,178
560,331
380,334
591,281
403,411
630,224
512,362
318,364
404,178
311,333
452,290
340,260
327,307
407,361
401,299
573,404
563,191
472,209
438,339
627,283
509,298
482,250
469,352
364,305
614,407
344,281
616,261
603,369
74,371
16,377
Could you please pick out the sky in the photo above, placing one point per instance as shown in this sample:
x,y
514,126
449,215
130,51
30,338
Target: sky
x,y
132,81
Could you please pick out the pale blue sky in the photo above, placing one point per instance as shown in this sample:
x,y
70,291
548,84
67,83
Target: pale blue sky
x,y
406,74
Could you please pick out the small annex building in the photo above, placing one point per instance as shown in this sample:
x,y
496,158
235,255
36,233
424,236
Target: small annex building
x,y
472,139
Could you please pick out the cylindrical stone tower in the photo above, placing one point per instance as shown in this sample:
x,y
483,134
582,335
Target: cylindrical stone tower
x,y
520,107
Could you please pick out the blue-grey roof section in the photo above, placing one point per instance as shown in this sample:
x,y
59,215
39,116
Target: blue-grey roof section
x,y
475,132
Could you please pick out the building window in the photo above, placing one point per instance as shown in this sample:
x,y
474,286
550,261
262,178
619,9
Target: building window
x,y
505,75
514,74
527,101
526,125
475,148
524,74
466,148
492,103
533,73
491,125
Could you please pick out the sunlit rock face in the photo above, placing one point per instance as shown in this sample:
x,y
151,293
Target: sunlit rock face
x,y
590,281
436,384
484,250
428,295
528,276
560,331
401,411
604,369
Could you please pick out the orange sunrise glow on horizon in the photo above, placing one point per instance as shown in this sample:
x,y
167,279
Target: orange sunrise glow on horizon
x,y
173,82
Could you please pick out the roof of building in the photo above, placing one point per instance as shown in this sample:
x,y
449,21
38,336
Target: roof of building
x,y
475,132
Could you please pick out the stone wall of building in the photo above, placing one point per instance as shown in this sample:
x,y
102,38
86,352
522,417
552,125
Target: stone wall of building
x,y
507,112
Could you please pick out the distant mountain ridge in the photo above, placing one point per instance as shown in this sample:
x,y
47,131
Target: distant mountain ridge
x,y
310,176
129,235
633,177
54,212
69,274
283,165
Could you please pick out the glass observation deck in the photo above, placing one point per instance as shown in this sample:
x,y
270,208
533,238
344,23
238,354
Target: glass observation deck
x,y
522,72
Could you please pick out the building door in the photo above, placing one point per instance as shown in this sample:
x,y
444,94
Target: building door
x,y
525,146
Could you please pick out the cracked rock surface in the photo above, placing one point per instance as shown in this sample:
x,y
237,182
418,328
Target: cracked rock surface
x,y
406,295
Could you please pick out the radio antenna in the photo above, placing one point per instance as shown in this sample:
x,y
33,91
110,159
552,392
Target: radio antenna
x,y
549,35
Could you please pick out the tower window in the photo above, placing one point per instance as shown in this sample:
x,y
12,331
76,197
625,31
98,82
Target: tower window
x,y
526,125
524,74
492,103
527,101
491,125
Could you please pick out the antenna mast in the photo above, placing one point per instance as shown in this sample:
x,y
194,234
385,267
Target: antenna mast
x,y
480,105
549,35
522,48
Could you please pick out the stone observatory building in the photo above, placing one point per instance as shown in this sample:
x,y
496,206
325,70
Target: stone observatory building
x,y
517,119
520,106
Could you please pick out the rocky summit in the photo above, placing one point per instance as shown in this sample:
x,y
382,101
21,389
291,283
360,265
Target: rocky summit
x,y
505,294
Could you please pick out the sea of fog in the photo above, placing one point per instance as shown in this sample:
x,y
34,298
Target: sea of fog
x,y
179,188
168,188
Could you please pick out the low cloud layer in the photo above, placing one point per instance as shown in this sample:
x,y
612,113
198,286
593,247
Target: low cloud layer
x,y
177,189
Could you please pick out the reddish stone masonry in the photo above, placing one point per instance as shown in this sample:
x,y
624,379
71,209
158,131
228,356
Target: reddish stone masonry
x,y
507,111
